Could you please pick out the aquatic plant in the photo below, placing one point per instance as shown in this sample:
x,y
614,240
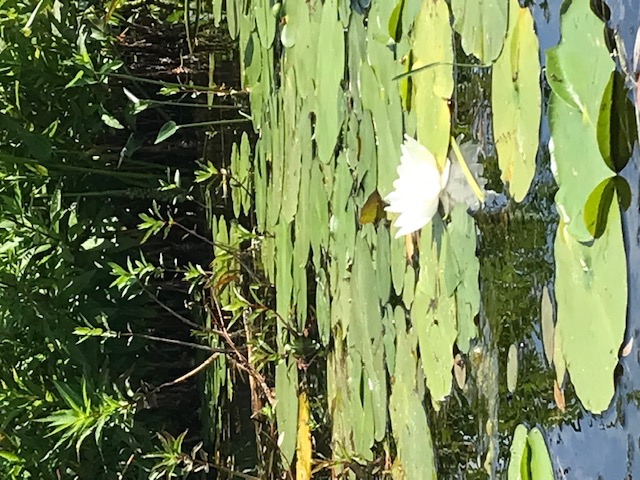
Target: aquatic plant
x,y
417,190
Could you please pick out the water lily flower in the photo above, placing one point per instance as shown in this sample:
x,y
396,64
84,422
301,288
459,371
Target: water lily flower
x,y
417,189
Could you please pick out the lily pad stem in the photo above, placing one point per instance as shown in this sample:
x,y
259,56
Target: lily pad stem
x,y
467,173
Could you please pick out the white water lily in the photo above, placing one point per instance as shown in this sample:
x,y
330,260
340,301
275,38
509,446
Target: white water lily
x,y
417,189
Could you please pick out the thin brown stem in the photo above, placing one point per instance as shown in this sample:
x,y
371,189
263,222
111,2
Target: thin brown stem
x,y
190,374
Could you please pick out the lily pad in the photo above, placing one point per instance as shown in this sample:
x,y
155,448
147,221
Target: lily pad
x,y
529,456
516,102
617,131
574,107
408,417
433,87
330,70
284,280
482,24
292,166
383,264
287,408
365,333
462,234
323,307
591,297
518,463
232,18
265,22
596,208
433,313
540,463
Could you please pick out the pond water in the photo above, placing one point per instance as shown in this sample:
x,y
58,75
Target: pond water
x,y
432,348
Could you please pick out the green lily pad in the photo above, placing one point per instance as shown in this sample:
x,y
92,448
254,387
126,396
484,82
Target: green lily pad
x,y
574,107
559,363
365,332
433,313
519,455
240,169
284,280
482,24
529,456
236,185
329,92
596,208
323,307
265,22
231,7
462,234
409,285
367,155
516,102
318,213
408,418
591,297
383,265
616,126
392,317
540,463
292,166
217,12
433,87
287,408
344,372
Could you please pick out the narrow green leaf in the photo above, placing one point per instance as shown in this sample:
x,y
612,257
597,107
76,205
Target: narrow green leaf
x,y
111,121
167,130
10,457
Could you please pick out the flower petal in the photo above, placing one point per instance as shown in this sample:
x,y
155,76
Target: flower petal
x,y
417,189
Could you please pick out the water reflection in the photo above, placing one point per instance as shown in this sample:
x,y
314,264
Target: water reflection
x,y
473,433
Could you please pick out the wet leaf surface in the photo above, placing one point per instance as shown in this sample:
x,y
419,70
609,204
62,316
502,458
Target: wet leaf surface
x,y
591,297
482,24
408,418
433,313
516,102
574,107
434,86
